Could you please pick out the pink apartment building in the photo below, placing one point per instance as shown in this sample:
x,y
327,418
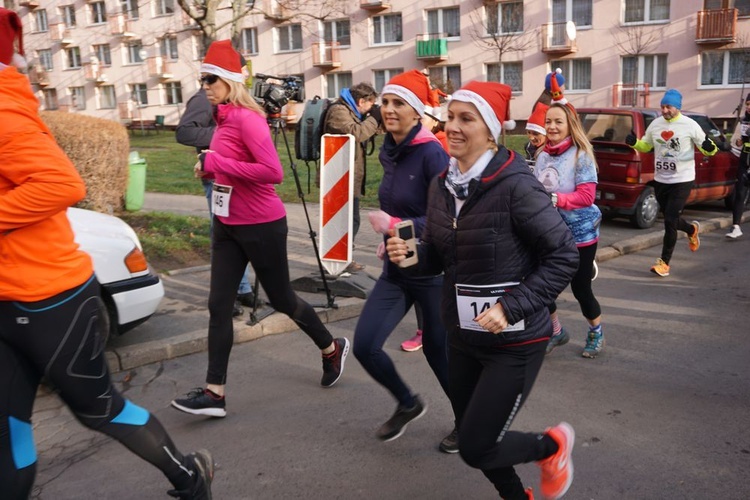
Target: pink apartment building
x,y
139,59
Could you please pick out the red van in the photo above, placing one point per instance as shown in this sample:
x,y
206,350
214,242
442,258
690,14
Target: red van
x,y
624,173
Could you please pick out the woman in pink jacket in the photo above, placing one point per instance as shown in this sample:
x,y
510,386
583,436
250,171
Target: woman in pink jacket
x,y
249,225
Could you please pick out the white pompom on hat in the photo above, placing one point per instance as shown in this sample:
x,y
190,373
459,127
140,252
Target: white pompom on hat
x,y
492,100
11,39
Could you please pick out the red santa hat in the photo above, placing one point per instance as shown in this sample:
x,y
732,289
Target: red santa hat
x,y
222,60
414,88
535,123
11,39
492,100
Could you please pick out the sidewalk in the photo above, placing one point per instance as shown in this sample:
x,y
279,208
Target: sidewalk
x,y
179,327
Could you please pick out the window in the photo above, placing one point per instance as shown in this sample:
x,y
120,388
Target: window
x,y
134,52
49,97
289,37
725,68
9,4
40,20
337,31
73,57
446,78
139,94
103,54
335,82
45,58
387,29
249,41
107,97
444,21
642,11
645,69
383,76
172,93
577,73
78,97
578,11
504,18
510,73
130,8
68,14
164,7
98,12
168,47
743,6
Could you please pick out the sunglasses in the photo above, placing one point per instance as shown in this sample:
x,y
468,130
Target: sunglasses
x,y
208,79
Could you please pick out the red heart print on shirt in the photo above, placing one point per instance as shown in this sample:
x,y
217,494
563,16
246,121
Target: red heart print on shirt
x,y
667,134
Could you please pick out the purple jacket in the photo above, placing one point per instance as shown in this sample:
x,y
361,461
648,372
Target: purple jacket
x,y
243,156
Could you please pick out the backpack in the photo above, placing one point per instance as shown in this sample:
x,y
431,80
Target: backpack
x,y
310,129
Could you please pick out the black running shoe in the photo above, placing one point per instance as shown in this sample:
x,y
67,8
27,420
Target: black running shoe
x,y
333,364
200,401
396,425
201,464
449,444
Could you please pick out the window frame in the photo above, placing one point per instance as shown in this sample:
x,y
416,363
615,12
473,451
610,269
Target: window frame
x,y
387,74
169,48
502,67
337,84
571,74
647,8
335,36
102,92
445,77
726,56
50,96
130,9
73,58
161,8
289,31
98,12
41,21
132,51
497,14
77,97
45,56
68,15
253,41
379,19
103,49
570,13
641,66
173,93
441,21
139,94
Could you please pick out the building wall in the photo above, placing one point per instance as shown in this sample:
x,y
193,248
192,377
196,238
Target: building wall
x,y
604,43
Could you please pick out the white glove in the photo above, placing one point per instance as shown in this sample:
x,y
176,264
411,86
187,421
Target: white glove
x,y
380,221
380,252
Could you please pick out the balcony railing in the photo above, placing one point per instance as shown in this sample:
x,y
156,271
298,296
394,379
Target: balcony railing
x,y
159,66
274,11
555,39
92,71
60,33
31,4
38,76
326,54
432,46
716,26
374,5
630,95
120,25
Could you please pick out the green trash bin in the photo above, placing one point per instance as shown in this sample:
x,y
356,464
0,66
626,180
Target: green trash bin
x,y
136,182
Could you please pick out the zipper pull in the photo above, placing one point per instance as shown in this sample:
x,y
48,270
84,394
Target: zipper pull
x,y
454,223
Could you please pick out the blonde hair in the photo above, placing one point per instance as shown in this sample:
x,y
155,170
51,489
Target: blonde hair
x,y
577,134
239,95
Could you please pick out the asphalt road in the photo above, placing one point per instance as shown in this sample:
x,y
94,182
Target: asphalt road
x,y
663,413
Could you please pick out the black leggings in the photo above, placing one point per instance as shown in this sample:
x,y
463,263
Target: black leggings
x,y
740,188
264,246
581,284
672,198
59,338
488,386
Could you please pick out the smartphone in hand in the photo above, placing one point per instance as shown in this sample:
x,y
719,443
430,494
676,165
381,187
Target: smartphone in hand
x,y
405,231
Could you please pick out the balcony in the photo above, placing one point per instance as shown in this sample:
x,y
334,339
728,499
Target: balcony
x,y
630,95
274,11
326,55
60,33
119,25
159,66
556,39
38,76
374,5
432,47
30,4
716,26
92,71
125,109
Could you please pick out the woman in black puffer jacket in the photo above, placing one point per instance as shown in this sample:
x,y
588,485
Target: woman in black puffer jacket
x,y
506,255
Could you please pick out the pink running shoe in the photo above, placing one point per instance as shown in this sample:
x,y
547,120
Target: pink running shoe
x,y
414,343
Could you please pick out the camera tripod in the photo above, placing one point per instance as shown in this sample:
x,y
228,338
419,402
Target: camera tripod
x,y
276,123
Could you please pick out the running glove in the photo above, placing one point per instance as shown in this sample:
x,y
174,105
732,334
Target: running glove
x,y
708,145
631,139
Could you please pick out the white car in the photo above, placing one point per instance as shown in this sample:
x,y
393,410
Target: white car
x,y
130,289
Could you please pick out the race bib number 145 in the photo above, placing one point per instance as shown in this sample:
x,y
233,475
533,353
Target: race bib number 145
x,y
472,300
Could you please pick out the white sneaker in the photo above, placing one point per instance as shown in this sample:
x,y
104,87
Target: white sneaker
x,y
735,233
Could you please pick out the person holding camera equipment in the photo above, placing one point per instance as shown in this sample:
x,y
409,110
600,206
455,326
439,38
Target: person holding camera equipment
x,y
506,254
250,225
355,113
411,156
196,127
51,324
741,149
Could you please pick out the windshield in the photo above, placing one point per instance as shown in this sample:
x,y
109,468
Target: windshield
x,y
606,127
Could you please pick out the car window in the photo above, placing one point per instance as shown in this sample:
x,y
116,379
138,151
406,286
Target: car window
x,y
708,126
608,127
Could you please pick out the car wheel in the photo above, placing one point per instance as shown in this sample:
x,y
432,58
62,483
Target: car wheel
x,y
107,320
646,209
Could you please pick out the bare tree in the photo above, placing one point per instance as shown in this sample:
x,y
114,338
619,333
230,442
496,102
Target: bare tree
x,y
636,40
488,35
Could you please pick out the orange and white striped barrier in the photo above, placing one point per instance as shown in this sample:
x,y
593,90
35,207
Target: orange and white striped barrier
x,y
336,201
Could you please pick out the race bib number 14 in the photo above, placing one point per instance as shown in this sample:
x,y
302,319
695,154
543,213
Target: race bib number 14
x,y
472,300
